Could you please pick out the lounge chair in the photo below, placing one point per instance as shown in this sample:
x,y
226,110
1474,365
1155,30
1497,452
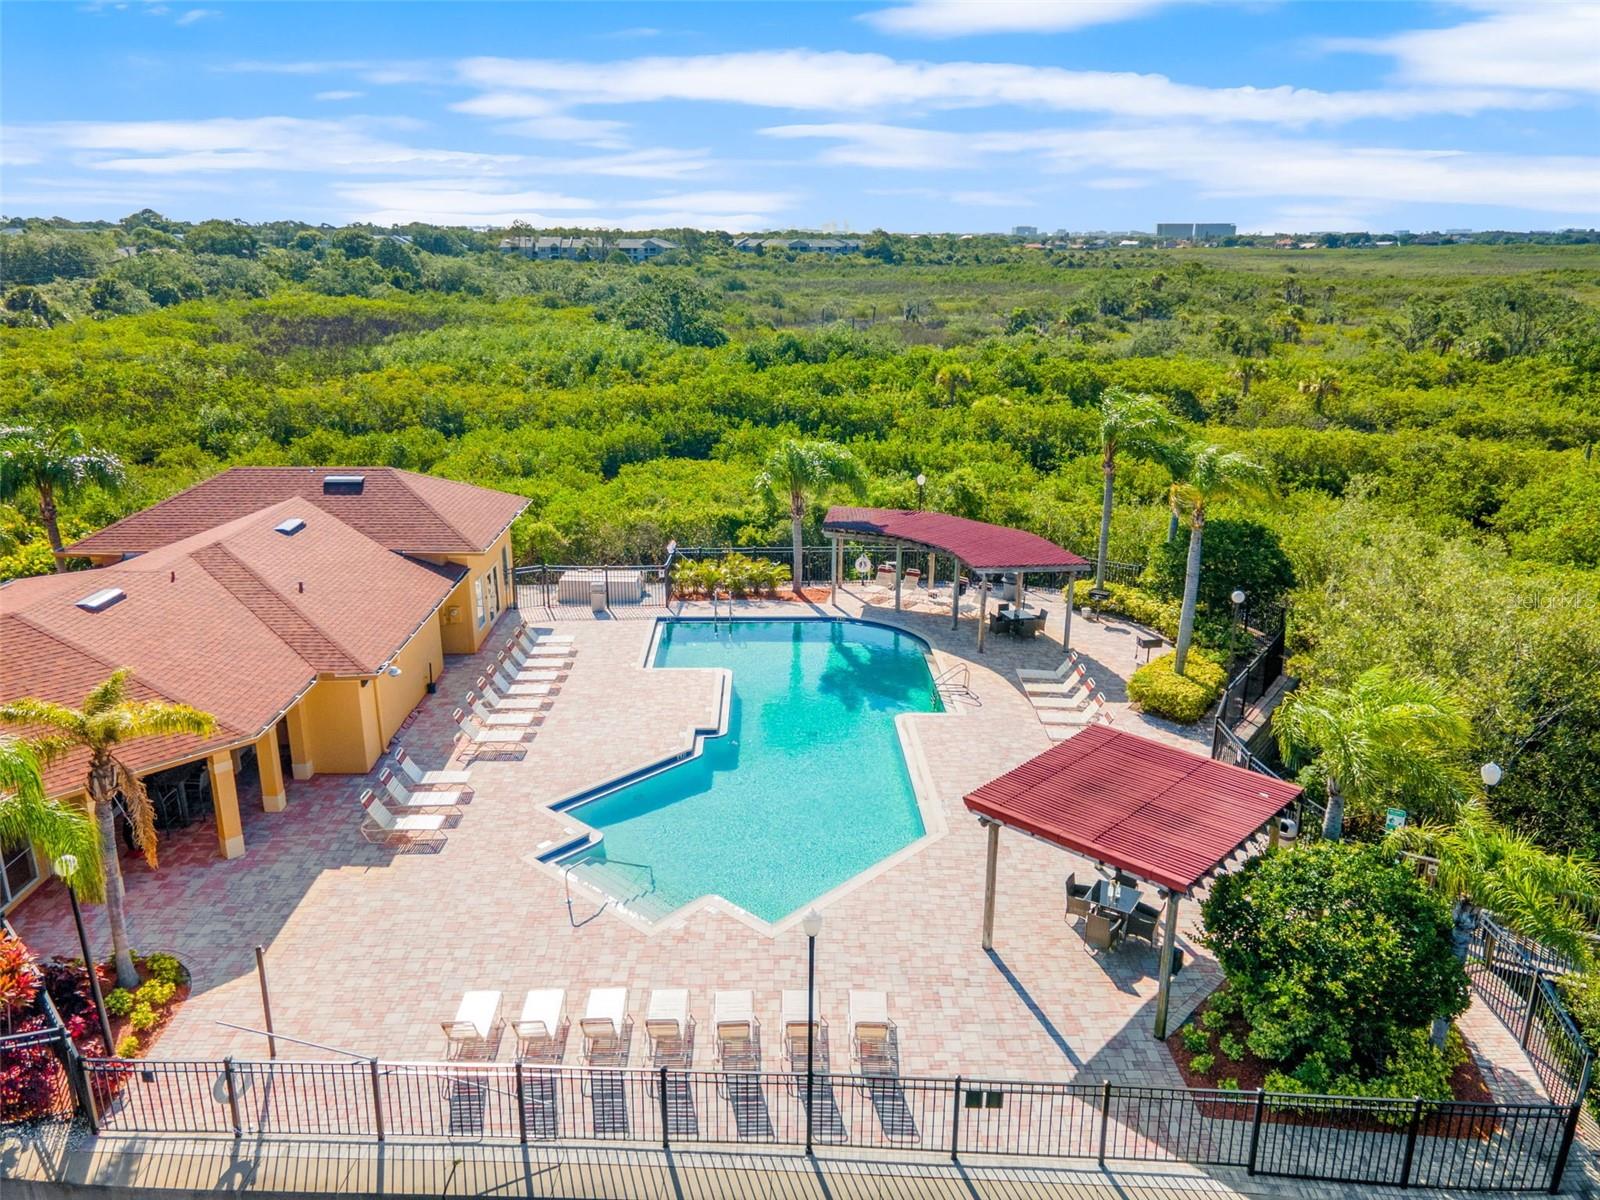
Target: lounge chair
x,y
1058,675
1043,695
539,656
1077,898
734,1015
508,683
384,828
666,1024
541,1029
1100,932
1065,705
433,779
400,798
506,702
552,640
795,1029
1093,706
872,1033
505,666
604,1025
491,719
485,736
475,1032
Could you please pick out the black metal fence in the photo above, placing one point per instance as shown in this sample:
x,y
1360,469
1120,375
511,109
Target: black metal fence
x,y
1254,681
35,1080
571,588
1377,1142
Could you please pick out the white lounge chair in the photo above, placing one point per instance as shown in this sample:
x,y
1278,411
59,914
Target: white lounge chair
x,y
539,656
795,1028
400,798
384,828
492,719
509,683
1059,731
1069,705
482,735
541,1029
1074,700
734,1014
475,1032
434,779
504,665
604,1025
666,1023
1080,714
530,638
872,1033
1071,682
506,702
1058,675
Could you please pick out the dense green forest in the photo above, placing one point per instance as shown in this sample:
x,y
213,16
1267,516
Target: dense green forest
x,y
1427,415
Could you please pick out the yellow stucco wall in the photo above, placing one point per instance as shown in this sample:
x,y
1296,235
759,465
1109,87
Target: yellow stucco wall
x,y
398,696
461,629
342,724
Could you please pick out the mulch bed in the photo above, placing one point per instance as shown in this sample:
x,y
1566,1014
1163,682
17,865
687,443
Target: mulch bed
x,y
1466,1084
120,1026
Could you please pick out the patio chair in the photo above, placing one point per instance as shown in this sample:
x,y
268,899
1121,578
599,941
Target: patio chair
x,y
1057,675
485,736
475,1032
505,667
872,1033
417,830
505,702
531,639
1100,932
1066,705
733,1014
400,797
1050,693
552,656
1077,897
1094,710
796,1030
488,717
1141,923
604,1025
666,1024
434,779
510,684
542,1029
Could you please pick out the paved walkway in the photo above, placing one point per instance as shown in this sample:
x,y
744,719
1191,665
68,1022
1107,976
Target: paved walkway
x,y
370,950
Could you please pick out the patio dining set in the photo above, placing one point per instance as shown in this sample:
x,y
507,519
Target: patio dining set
x,y
1111,910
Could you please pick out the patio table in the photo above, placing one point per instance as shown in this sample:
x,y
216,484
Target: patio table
x,y
1105,895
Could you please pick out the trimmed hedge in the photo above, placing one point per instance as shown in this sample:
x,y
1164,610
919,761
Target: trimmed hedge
x,y
1157,690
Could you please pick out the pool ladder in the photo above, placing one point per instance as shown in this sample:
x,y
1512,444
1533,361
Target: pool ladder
x,y
954,684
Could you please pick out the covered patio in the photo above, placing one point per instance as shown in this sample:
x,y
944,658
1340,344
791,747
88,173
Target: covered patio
x,y
1138,809
984,549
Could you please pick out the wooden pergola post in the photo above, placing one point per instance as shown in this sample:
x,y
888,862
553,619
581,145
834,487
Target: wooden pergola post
x,y
1169,941
1066,638
955,592
989,870
833,572
932,563
983,610
899,570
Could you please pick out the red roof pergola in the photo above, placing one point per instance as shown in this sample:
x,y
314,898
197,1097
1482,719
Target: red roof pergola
x,y
981,546
1153,811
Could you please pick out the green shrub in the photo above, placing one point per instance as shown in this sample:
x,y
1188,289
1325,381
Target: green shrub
x,y
1233,554
1231,1047
143,1018
157,993
164,967
128,1047
1223,1001
1213,1018
119,1002
1202,1063
1182,698
1228,1084
1195,1039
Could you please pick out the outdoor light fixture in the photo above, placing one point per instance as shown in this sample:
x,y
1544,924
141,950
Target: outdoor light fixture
x,y
922,484
1490,773
395,672
67,866
1238,596
811,925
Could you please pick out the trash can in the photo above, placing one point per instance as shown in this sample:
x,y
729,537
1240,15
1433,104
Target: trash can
x,y
1177,960
597,595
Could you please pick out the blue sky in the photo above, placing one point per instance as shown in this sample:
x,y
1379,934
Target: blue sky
x,y
906,114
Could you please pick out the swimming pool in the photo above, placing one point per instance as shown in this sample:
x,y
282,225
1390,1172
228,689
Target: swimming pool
x,y
807,788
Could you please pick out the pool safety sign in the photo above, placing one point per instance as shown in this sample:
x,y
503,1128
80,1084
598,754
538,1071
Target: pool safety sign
x,y
863,566
1393,818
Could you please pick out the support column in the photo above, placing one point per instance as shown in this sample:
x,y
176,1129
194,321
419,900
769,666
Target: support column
x,y
300,760
1169,942
928,581
955,592
833,572
1066,638
1022,590
899,571
983,611
1272,832
269,768
225,803
989,870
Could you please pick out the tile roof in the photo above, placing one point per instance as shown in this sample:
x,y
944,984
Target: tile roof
x,y
981,546
237,621
400,510
1158,812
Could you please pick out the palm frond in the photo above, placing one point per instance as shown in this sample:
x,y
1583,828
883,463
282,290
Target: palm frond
x,y
108,694
140,811
28,711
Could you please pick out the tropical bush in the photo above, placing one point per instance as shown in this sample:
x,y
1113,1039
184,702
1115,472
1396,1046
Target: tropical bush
x,y
1161,692
1236,553
119,1002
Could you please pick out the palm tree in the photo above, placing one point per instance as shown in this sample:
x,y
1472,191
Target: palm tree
x,y
952,377
1383,735
1210,473
108,719
27,815
52,465
798,472
1140,427
1246,372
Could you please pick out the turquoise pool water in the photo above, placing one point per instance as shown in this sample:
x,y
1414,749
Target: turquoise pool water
x,y
807,788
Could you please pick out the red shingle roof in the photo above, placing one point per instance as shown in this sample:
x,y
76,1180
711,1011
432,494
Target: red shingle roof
x,y
400,510
981,546
1160,813
237,621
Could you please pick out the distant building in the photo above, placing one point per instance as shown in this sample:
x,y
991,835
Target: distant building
x,y
644,249
1178,231
801,245
1027,231
1207,232
548,248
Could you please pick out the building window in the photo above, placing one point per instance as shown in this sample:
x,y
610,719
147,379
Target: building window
x,y
17,871
477,595
505,566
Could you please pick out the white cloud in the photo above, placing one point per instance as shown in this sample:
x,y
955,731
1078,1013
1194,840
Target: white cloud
x,y
721,202
1541,46
453,202
955,18
338,95
1231,163
841,81
196,14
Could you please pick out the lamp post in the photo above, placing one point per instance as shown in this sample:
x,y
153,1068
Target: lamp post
x,y
1238,605
1490,773
922,488
811,924
66,867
